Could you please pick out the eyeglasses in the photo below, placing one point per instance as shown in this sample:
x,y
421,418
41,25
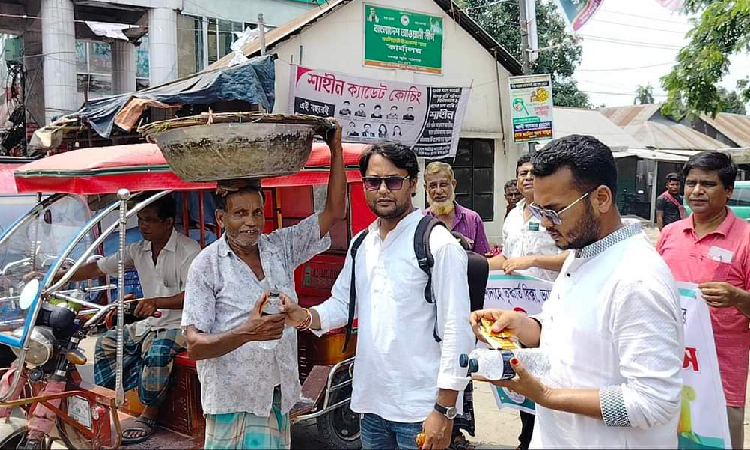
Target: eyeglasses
x,y
391,183
553,216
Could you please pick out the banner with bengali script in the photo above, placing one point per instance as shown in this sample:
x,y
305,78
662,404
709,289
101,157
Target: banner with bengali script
x,y
703,414
517,293
577,12
426,118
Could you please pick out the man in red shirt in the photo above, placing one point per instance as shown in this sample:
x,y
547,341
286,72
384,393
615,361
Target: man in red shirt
x,y
712,249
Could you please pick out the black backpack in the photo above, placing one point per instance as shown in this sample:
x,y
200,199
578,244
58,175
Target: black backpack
x,y
478,270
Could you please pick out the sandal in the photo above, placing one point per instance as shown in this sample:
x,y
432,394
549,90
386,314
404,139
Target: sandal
x,y
145,432
461,443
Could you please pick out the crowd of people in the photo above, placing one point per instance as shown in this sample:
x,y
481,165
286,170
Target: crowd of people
x,y
612,326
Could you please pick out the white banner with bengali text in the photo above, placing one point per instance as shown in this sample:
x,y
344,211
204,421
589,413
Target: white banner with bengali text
x,y
517,293
703,414
427,119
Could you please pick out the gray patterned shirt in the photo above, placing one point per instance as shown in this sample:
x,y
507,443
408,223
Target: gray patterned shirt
x,y
221,291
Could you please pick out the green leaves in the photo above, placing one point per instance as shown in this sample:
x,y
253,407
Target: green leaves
x,y
644,95
501,21
723,29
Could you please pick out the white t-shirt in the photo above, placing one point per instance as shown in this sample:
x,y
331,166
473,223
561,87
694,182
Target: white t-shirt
x,y
165,279
528,237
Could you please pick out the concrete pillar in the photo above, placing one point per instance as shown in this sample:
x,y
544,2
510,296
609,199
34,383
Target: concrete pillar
x,y
123,67
162,39
59,46
32,63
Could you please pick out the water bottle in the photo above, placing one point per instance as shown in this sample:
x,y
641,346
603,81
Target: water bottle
x,y
495,364
272,306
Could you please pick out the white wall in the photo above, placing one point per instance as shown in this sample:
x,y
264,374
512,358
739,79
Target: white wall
x,y
336,43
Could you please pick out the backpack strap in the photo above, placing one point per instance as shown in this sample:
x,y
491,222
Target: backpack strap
x,y
353,287
425,258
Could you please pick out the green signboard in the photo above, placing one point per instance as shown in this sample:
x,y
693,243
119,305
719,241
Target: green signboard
x,y
402,39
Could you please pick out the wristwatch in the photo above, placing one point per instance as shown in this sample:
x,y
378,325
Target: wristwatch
x,y
450,411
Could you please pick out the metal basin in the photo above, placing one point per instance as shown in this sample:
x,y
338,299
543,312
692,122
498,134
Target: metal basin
x,y
222,151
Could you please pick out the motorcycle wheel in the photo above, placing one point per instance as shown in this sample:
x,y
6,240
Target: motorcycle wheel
x,y
71,437
340,428
17,439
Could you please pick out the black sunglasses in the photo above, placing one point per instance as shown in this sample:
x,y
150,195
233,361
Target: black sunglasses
x,y
393,183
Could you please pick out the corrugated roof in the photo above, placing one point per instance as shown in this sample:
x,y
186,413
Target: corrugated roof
x,y
734,126
569,121
672,137
293,27
631,115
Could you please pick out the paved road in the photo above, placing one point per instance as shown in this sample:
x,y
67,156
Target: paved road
x,y
496,428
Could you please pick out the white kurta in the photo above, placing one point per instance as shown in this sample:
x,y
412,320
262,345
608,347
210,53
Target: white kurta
x,y
613,323
399,366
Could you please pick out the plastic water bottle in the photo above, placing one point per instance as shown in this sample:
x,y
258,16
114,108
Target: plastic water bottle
x,y
272,306
495,364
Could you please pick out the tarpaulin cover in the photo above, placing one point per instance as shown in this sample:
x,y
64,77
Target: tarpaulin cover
x,y
252,81
141,167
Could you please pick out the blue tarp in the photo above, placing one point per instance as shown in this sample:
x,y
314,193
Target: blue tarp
x,y
252,81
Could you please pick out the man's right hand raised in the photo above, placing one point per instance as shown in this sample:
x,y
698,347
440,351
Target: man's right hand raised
x,y
262,328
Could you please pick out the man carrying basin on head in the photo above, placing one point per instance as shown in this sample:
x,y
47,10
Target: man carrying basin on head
x,y
162,260
247,361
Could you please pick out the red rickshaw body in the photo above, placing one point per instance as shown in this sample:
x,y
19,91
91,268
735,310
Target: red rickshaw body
x,y
141,167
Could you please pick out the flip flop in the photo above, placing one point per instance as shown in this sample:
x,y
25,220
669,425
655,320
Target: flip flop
x,y
146,432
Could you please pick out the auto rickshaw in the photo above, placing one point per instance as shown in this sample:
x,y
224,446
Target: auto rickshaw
x,y
45,321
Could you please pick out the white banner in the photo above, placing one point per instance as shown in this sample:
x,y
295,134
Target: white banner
x,y
426,118
703,415
518,293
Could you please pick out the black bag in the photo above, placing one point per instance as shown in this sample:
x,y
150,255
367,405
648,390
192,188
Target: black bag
x,y
478,270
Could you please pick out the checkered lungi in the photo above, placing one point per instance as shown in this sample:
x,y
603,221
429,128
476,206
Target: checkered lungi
x,y
243,430
147,361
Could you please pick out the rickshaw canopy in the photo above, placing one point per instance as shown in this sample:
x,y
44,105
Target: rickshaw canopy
x,y
142,167
7,182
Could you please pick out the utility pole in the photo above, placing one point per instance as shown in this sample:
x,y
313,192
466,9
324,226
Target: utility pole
x,y
525,62
262,34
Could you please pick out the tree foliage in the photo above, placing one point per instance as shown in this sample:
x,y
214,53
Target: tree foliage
x,y
501,21
644,95
722,29
731,102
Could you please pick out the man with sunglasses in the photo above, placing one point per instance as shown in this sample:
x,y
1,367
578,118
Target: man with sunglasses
x,y
407,376
528,250
612,326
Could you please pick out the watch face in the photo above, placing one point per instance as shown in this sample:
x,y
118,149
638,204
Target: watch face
x,y
451,413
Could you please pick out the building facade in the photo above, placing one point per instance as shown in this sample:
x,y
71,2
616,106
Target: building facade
x,y
73,51
332,38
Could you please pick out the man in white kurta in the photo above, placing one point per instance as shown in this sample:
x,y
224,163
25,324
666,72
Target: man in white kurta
x,y
406,380
612,327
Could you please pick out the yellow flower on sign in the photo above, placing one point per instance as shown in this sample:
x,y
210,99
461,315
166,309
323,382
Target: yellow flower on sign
x,y
539,95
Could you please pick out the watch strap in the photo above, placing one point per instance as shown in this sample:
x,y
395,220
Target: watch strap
x,y
446,410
